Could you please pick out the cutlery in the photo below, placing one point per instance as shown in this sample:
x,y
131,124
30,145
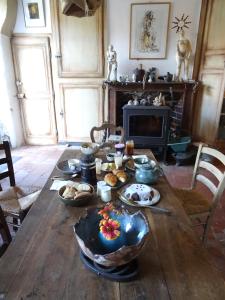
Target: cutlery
x,y
64,178
153,208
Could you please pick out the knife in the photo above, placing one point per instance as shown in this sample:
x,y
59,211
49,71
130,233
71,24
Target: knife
x,y
64,178
153,208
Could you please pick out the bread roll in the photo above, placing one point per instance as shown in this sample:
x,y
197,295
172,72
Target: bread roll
x,y
69,192
83,187
122,176
80,195
116,171
110,179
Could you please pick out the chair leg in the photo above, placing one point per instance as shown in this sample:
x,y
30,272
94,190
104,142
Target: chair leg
x,y
206,231
15,221
4,230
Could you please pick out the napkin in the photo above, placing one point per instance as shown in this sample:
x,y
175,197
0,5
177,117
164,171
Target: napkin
x,y
57,184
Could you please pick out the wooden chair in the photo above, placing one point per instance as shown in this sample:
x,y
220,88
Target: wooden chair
x,y
4,233
198,207
14,202
104,132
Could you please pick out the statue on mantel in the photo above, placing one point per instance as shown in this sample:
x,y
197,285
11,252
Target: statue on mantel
x,y
183,54
112,64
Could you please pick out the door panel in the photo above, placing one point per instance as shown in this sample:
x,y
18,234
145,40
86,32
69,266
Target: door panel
x,y
35,91
36,117
216,25
83,37
210,106
82,110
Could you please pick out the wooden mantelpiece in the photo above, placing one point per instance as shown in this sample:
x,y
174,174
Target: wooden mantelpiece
x,y
182,91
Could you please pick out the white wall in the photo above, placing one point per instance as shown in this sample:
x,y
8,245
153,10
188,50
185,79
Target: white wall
x,y
9,112
118,26
20,26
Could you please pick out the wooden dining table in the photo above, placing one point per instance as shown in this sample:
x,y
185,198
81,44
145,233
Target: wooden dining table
x,y
43,260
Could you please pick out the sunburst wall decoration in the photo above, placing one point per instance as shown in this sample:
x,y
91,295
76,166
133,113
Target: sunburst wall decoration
x,y
181,23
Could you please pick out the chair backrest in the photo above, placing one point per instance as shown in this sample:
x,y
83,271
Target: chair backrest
x,y
207,162
7,160
107,129
4,232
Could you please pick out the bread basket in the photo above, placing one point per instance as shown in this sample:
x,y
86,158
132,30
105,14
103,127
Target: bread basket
x,y
80,200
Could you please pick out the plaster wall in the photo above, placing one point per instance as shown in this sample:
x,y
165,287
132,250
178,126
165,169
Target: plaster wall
x,y
118,27
9,113
20,26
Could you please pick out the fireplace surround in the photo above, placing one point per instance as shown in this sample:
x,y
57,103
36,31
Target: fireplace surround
x,y
179,97
148,126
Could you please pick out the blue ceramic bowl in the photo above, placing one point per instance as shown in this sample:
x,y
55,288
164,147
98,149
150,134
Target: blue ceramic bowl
x,y
134,229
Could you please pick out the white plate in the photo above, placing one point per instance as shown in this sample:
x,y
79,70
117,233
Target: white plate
x,y
142,202
108,167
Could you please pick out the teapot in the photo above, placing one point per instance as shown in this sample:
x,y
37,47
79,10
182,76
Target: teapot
x,y
148,173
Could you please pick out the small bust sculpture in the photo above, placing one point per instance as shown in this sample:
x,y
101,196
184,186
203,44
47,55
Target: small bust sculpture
x,y
112,64
183,55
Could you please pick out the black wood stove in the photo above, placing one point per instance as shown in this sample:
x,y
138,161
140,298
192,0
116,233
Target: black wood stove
x,y
147,126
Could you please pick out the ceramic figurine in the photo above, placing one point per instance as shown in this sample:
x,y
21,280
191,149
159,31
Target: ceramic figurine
x,y
135,102
152,74
139,73
169,77
183,55
158,100
143,102
127,78
122,79
130,102
112,64
149,101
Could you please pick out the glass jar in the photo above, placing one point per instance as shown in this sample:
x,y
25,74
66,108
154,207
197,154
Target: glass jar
x,y
129,147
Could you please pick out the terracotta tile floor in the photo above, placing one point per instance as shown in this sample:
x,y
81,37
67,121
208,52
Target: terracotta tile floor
x,y
33,165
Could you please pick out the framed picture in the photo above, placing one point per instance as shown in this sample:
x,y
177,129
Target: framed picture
x,y
148,30
34,13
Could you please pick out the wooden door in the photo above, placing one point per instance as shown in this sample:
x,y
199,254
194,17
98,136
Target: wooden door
x,y
78,71
35,90
79,44
211,73
81,110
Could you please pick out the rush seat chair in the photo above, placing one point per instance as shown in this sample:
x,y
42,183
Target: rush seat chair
x,y
206,171
14,202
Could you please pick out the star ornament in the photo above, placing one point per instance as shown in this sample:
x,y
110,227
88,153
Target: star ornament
x,y
181,23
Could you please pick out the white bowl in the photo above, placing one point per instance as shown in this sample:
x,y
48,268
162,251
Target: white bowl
x,y
89,148
110,156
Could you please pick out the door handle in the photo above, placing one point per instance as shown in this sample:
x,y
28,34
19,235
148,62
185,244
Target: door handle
x,y
61,113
